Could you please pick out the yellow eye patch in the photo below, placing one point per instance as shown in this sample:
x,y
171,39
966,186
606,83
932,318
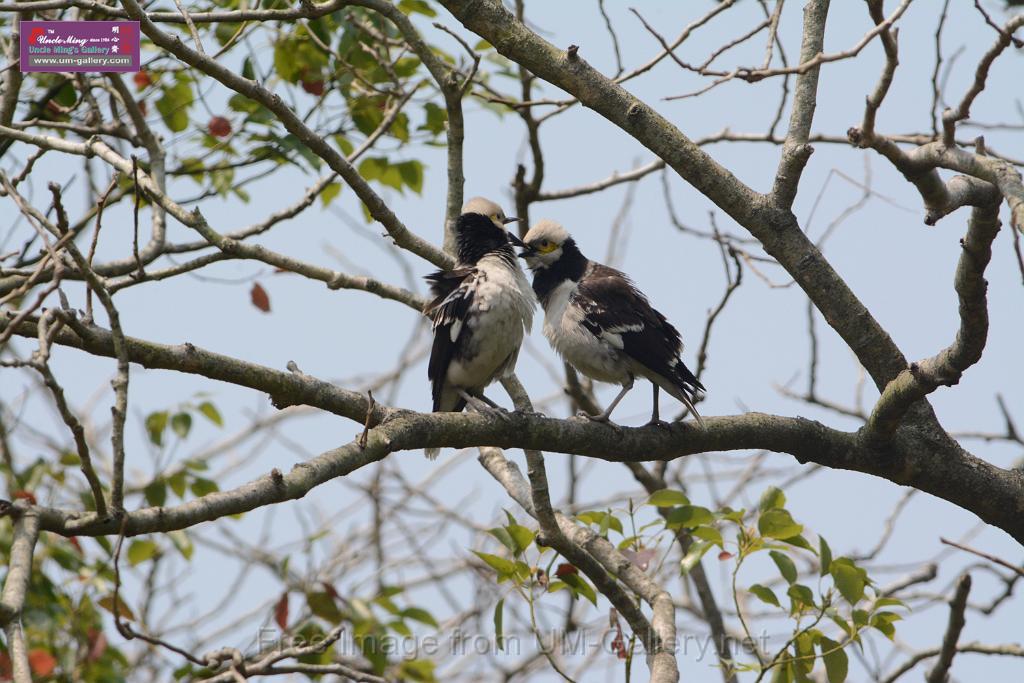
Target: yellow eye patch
x,y
546,247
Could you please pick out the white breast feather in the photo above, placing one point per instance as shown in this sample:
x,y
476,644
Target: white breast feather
x,y
598,358
501,313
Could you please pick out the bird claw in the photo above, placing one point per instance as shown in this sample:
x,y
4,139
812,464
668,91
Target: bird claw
x,y
601,418
659,423
485,408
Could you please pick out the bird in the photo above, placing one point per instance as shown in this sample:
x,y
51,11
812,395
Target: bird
x,y
480,312
598,321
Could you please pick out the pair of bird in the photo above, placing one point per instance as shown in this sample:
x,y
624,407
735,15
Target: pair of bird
x,y
594,316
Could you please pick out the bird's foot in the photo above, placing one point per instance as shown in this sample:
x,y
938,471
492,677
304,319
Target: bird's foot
x,y
485,408
657,422
600,417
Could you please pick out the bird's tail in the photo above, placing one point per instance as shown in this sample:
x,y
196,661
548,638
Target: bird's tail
x,y
445,401
685,388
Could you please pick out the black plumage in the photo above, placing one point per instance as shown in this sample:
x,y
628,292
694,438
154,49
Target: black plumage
x,y
604,326
479,311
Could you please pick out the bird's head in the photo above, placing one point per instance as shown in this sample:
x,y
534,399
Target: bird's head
x,y
487,208
542,245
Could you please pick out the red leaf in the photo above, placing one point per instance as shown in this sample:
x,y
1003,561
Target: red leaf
x,y
259,298
619,645
219,127
25,495
724,555
141,79
97,645
313,87
73,540
281,612
41,662
566,569
331,590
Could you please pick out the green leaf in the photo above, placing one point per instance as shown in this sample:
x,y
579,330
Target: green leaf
x,y
604,520
732,515
343,144
825,553
883,621
697,550
765,594
200,487
499,638
521,538
435,118
419,6
141,550
181,423
419,670
688,516
836,662
400,627
156,493
887,602
849,579
498,564
156,423
800,542
182,542
107,603
330,191
666,498
177,483
801,598
321,603
503,536
709,533
776,523
412,175
69,459
211,413
785,565
173,105
772,498
420,615
580,586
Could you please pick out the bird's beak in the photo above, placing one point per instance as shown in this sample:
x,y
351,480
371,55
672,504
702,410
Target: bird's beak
x,y
514,239
527,251
511,219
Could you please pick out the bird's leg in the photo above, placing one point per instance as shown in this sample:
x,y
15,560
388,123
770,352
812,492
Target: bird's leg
x,y
655,417
482,404
605,415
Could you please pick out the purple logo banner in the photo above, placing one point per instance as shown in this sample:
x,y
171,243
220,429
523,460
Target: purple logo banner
x,y
83,46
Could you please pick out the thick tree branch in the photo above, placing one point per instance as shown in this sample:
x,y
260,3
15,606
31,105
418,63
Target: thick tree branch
x,y
946,367
935,466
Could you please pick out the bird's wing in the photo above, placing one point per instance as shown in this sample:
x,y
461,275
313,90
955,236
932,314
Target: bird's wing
x,y
453,296
618,313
